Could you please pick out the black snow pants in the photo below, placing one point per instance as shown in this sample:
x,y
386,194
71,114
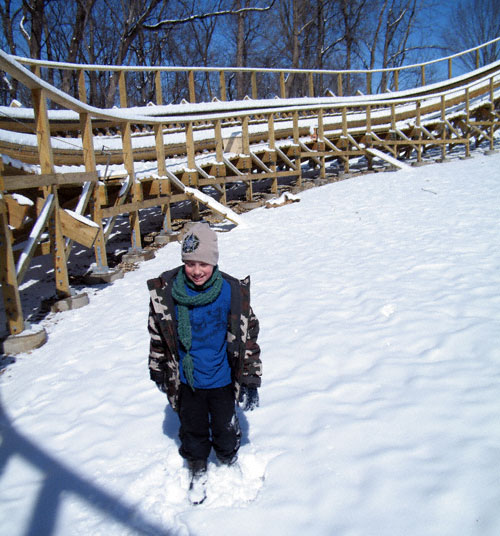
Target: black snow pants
x,y
208,419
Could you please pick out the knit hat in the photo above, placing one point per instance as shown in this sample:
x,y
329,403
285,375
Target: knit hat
x,y
200,244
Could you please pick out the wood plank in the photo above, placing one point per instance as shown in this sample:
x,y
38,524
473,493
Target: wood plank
x,y
78,228
387,158
22,182
17,211
138,205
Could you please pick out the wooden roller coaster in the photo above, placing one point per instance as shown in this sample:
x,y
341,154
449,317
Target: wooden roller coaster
x,y
68,169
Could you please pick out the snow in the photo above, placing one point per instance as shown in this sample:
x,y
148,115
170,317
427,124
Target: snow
x,y
380,333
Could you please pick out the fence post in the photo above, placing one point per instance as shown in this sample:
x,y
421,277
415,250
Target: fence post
x,y
282,85
82,90
253,78
122,85
222,85
396,80
339,85
158,90
192,93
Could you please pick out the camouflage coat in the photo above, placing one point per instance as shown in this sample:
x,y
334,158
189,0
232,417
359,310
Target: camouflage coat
x,y
243,352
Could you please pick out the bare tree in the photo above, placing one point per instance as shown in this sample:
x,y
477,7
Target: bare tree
x,y
471,23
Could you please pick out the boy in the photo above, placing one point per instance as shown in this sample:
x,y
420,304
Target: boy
x,y
204,353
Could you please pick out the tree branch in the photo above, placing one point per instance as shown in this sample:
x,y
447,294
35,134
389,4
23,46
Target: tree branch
x,y
192,18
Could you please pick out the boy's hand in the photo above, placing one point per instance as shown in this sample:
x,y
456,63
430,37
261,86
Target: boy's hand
x,y
249,398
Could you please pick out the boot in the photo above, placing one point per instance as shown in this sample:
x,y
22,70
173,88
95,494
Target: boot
x,y
198,480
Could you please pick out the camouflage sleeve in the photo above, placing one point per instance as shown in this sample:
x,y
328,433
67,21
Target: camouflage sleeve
x,y
157,358
252,365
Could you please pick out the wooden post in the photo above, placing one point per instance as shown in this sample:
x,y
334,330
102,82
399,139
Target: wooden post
x,y
422,74
165,186
321,142
467,120
396,80
368,156
443,122
245,140
8,278
492,114
311,84
219,153
158,89
449,68
122,85
282,85
368,83
418,113
344,133
253,79
296,139
339,85
192,92
222,85
82,89
90,165
128,160
477,59
272,146
191,162
57,246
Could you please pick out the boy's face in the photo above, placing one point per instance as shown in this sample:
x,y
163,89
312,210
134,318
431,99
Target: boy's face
x,y
198,272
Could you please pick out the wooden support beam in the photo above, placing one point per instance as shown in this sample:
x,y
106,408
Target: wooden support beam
x,y
195,206
8,278
21,182
272,146
57,245
135,187
296,138
164,188
135,206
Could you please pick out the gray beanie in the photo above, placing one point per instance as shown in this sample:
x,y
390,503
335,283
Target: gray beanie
x,y
200,244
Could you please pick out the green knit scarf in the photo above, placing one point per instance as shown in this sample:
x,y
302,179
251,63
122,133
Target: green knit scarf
x,y
184,303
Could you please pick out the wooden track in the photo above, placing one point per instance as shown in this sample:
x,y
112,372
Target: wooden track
x,y
67,174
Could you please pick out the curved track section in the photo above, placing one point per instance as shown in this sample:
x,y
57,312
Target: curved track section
x,y
69,174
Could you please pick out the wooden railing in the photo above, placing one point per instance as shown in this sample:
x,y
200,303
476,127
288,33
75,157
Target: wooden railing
x,y
280,84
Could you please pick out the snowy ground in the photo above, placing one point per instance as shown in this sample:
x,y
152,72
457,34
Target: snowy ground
x,y
379,305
